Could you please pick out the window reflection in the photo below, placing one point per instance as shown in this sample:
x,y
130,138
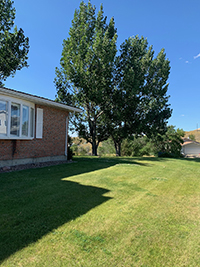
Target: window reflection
x,y
3,117
15,119
32,122
25,116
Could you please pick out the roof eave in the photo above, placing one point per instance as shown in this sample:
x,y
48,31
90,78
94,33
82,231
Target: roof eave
x,y
37,100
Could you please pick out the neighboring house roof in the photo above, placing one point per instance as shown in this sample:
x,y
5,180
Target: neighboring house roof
x,y
188,142
37,99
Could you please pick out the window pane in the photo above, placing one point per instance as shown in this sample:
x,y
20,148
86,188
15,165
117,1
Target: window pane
x,y
39,123
15,119
3,117
32,122
25,116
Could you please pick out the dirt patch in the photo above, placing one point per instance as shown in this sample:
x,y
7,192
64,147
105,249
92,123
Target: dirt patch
x,y
33,165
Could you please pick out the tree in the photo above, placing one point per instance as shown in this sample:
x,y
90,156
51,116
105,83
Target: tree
x,y
14,46
192,137
85,76
139,146
139,101
169,144
106,148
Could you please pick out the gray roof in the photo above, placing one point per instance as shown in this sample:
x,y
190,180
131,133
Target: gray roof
x,y
37,99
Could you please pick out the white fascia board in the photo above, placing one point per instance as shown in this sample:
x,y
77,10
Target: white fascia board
x,y
37,99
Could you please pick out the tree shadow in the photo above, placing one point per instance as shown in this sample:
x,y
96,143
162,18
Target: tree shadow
x,y
111,161
191,159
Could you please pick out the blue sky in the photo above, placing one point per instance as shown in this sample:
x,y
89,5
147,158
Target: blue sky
x,y
173,25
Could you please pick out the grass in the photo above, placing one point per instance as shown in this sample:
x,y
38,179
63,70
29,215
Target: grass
x,y
102,212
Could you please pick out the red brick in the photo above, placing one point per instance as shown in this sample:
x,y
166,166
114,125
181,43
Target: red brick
x,y
52,143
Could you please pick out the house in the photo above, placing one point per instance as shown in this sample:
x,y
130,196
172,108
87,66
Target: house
x,y
190,148
32,129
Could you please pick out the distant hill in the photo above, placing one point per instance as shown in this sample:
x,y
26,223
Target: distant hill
x,y
196,133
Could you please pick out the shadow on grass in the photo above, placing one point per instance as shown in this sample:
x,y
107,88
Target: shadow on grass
x,y
192,159
35,202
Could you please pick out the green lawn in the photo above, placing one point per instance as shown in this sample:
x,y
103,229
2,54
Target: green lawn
x,y
102,212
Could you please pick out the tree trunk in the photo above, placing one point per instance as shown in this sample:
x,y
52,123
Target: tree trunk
x,y
94,149
118,148
94,142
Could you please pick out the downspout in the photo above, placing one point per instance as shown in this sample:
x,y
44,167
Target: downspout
x,y
66,137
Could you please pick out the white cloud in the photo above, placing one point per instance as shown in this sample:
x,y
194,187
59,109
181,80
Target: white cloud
x,y
195,57
187,62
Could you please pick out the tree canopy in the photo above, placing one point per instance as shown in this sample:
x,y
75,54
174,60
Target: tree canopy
x,y
139,102
169,144
122,93
85,75
14,46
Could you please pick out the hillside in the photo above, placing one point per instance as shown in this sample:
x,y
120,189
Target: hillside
x,y
196,133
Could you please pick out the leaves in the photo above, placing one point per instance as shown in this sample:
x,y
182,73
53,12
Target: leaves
x,y
138,104
122,94
170,142
86,72
14,46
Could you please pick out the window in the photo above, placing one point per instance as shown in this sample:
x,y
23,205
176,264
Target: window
x,y
17,118
3,117
39,123
32,123
25,120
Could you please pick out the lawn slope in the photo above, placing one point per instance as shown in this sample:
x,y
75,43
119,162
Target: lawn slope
x,y
102,212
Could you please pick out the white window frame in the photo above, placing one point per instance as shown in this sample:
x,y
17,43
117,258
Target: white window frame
x,y
22,103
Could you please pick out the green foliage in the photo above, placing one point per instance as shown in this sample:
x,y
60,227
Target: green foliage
x,y
106,148
120,95
80,147
74,148
85,75
14,46
138,146
139,101
192,137
169,144
82,151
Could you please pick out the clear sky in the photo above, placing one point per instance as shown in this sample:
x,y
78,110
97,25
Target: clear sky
x,y
173,25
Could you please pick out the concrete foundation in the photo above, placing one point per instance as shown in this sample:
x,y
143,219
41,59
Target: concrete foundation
x,y
15,162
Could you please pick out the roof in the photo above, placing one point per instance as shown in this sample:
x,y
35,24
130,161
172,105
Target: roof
x,y
188,142
37,99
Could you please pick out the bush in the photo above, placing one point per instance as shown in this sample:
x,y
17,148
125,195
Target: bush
x,y
106,148
169,144
137,147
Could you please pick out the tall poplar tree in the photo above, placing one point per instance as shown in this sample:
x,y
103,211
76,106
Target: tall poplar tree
x,y
139,101
14,46
85,77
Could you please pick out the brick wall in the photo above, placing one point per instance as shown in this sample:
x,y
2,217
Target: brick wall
x,y
52,143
